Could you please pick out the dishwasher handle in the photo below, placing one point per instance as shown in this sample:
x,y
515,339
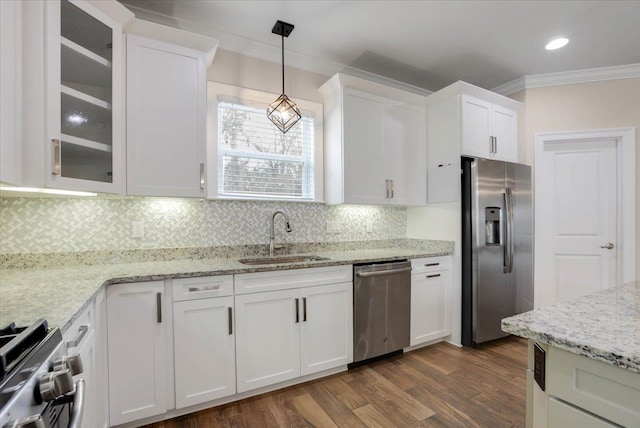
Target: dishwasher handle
x,y
382,272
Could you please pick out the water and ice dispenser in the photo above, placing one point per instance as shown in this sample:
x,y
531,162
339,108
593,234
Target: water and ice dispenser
x,y
492,226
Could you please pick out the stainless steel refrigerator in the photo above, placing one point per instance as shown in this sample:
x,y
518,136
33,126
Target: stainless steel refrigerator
x,y
497,246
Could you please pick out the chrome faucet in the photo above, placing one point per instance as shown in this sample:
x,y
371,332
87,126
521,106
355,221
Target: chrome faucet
x,y
272,246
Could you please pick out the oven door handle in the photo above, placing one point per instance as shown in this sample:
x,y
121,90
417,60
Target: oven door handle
x,y
78,406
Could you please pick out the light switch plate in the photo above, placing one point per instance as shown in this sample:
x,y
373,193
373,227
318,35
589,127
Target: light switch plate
x,y
137,229
333,226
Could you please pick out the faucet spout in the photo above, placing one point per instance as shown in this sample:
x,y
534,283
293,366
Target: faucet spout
x,y
272,234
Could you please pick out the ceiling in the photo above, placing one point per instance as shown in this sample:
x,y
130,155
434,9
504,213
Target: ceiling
x,y
428,44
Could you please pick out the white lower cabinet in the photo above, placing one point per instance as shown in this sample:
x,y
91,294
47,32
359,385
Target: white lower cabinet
x,y
430,299
285,334
326,328
102,372
268,338
137,353
204,350
80,339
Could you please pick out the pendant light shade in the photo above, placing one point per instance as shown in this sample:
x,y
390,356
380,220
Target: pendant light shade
x,y
283,112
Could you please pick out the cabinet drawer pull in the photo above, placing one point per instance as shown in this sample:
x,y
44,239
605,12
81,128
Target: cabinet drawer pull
x,y
391,181
230,314
297,311
82,331
205,288
304,309
55,170
202,176
387,188
432,264
433,276
159,307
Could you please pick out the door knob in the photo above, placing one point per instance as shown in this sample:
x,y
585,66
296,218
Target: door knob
x,y
609,246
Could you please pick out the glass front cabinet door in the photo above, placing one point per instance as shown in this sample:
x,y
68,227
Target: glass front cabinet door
x,y
84,98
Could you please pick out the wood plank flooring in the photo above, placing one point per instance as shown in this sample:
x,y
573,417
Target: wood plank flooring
x,y
438,386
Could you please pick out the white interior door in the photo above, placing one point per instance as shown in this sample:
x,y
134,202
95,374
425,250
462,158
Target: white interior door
x,y
576,216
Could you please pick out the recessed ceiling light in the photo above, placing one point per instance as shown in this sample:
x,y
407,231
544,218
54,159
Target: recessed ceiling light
x,y
556,44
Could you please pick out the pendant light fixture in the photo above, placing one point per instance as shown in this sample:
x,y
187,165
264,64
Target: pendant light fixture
x,y
283,112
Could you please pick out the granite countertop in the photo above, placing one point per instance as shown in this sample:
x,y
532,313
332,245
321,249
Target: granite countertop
x,y
60,294
604,326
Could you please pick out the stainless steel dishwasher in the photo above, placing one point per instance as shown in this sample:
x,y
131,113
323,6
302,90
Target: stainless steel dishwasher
x,y
382,309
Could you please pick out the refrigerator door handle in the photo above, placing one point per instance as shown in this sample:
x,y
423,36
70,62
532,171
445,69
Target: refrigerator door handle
x,y
508,245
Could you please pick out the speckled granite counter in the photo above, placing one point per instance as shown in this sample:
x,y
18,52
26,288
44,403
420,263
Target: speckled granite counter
x,y
604,326
60,294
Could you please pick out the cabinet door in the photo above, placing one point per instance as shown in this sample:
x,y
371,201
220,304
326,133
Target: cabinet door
x,y
364,163
166,119
102,373
504,127
326,327
204,350
406,154
430,306
10,83
267,338
88,354
476,127
85,107
137,360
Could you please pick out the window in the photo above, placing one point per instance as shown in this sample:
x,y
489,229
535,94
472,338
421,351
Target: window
x,y
254,159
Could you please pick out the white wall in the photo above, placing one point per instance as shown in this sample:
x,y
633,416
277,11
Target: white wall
x,y
247,72
582,106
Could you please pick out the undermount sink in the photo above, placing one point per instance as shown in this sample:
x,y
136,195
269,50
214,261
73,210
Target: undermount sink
x,y
281,259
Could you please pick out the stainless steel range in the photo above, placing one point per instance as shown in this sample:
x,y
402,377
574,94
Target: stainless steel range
x,y
37,389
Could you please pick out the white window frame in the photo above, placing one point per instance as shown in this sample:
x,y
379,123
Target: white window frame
x,y
220,91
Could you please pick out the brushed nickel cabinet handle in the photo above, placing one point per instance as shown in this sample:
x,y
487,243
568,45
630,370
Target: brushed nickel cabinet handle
x,y
159,307
609,246
82,331
387,188
204,288
304,309
432,264
391,188
202,176
230,314
56,168
495,144
433,276
297,310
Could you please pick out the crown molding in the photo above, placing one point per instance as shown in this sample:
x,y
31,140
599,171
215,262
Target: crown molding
x,y
569,77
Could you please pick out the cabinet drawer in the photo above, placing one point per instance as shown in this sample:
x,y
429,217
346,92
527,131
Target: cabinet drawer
x,y
602,389
430,264
202,287
257,282
562,415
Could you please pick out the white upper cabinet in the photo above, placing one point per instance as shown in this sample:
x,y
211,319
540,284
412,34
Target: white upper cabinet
x,y
166,110
375,143
10,88
464,120
488,130
84,112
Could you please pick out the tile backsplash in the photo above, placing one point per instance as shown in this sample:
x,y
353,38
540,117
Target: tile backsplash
x,y
35,225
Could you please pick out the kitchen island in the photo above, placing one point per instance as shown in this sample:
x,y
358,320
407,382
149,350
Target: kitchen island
x,y
589,370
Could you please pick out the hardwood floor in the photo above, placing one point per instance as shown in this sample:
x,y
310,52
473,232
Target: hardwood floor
x,y
438,386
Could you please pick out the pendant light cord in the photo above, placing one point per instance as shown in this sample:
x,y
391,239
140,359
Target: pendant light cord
x,y
283,62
